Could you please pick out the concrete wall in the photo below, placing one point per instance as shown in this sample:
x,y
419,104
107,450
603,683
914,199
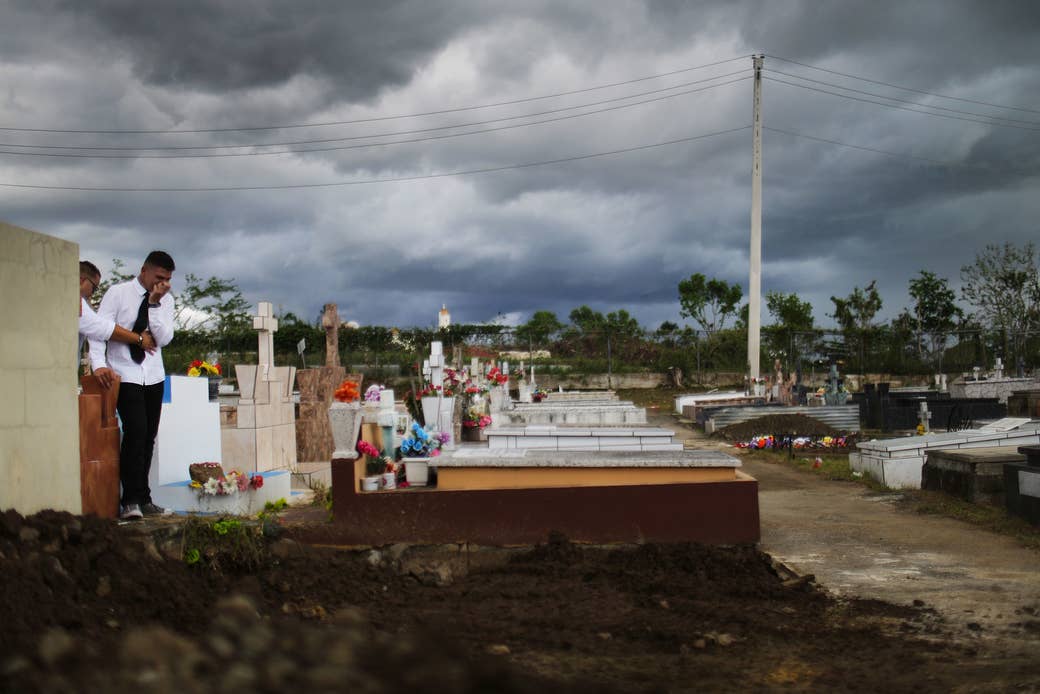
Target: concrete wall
x,y
39,418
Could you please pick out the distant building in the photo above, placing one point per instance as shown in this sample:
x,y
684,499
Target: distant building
x,y
444,318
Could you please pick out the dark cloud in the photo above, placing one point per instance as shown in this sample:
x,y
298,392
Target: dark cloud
x,y
612,232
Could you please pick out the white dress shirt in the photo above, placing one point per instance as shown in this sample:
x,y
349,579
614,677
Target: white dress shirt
x,y
91,326
120,304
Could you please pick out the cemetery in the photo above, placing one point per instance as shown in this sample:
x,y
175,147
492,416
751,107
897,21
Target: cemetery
x,y
478,522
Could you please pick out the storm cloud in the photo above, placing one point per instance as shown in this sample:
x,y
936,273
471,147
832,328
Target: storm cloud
x,y
511,234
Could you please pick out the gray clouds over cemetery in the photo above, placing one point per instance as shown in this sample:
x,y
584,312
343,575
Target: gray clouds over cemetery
x,y
903,191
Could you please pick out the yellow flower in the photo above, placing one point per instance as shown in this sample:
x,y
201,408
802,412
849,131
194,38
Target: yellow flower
x,y
193,371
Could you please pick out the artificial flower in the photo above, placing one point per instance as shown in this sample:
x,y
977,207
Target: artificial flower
x,y
347,391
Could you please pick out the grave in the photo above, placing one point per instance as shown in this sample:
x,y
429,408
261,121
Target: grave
x,y
994,384
190,432
314,444
972,474
580,414
552,438
503,497
262,435
898,462
839,417
689,405
1022,485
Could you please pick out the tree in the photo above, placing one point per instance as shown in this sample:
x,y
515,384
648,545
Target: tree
x,y
538,330
934,311
858,309
790,315
855,314
709,302
213,306
587,320
1004,285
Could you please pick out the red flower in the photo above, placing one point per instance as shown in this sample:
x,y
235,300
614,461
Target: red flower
x,y
365,448
256,481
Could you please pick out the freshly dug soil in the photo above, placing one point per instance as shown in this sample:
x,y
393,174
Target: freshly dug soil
x,y
90,605
794,424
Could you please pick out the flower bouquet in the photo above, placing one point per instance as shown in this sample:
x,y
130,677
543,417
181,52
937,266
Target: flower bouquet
x,y
417,449
347,391
208,479
377,464
203,368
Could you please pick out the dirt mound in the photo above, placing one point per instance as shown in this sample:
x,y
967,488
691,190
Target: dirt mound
x,y
794,424
93,606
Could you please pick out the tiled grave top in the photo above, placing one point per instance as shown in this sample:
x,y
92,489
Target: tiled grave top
x,y
509,457
578,405
989,454
552,430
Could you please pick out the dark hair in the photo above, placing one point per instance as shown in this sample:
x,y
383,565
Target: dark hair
x,y
160,259
88,269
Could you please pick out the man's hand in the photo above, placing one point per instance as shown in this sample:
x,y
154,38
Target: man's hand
x,y
104,376
158,292
148,343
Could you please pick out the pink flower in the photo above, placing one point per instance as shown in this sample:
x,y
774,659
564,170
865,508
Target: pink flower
x,y
434,453
365,448
242,482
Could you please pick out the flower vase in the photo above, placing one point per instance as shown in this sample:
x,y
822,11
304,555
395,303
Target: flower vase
x,y
472,434
417,471
370,484
214,388
498,399
438,413
389,480
345,422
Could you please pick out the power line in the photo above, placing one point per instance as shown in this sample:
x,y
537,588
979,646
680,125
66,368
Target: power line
x,y
896,155
901,108
397,179
375,135
908,89
907,101
374,119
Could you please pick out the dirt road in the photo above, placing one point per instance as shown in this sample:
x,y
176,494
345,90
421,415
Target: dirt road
x,y
857,542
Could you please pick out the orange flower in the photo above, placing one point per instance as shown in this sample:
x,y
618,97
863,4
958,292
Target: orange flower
x,y
347,391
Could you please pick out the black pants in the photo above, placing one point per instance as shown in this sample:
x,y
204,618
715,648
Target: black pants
x,y
139,408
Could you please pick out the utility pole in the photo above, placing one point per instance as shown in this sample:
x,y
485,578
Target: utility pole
x,y
755,256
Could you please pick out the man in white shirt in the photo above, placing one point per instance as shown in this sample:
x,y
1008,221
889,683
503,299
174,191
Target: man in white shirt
x,y
143,303
96,329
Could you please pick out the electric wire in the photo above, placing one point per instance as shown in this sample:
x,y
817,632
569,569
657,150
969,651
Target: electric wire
x,y
375,135
901,108
373,119
906,101
371,181
908,89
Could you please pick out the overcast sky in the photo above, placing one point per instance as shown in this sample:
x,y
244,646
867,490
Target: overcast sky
x,y
612,231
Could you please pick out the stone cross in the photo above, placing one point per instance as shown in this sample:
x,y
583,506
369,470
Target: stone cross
x,y
436,363
330,321
267,325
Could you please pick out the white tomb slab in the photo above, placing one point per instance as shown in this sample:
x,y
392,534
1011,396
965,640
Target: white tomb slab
x,y
582,439
682,401
897,462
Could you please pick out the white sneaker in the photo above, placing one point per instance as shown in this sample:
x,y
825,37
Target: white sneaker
x,y
131,512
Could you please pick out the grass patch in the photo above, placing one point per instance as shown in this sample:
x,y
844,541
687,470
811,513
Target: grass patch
x,y
662,397
831,466
992,518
